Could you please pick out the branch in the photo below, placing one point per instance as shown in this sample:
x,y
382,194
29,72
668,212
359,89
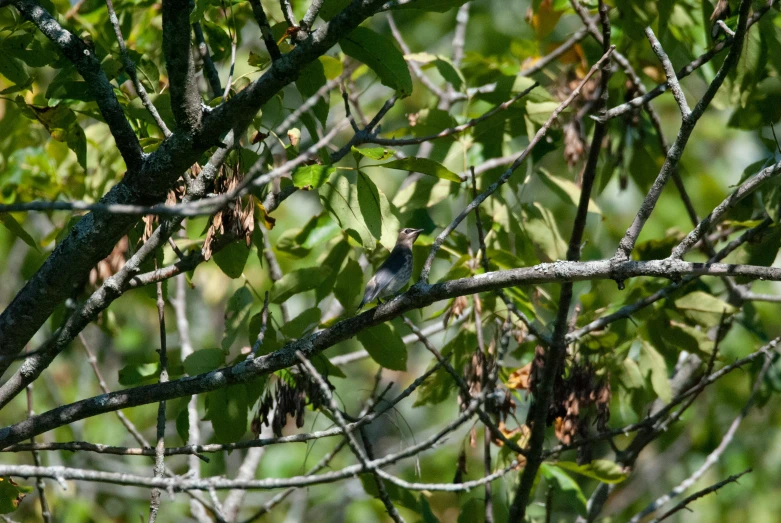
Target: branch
x,y
506,175
363,459
39,485
130,68
212,76
185,98
265,29
282,495
718,213
714,456
704,492
95,235
418,297
554,357
672,80
695,64
687,127
159,470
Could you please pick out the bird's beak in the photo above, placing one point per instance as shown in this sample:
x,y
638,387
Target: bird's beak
x,y
417,232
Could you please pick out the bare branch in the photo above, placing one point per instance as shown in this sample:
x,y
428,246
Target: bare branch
x,y
704,492
745,189
130,68
506,175
212,76
672,80
687,127
419,296
185,98
159,470
265,29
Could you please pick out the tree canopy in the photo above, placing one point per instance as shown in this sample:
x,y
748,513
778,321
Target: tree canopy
x,y
193,195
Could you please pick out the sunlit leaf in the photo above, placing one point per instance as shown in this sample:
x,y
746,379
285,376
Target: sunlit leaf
x,y
599,469
17,230
424,166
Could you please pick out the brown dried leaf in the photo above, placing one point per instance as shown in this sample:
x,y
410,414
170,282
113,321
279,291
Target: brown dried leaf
x,y
519,379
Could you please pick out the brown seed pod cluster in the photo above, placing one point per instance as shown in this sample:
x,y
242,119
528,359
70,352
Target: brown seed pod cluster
x,y
235,220
288,398
109,265
581,396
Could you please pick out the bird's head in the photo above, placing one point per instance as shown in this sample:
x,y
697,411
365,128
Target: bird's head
x,y
408,236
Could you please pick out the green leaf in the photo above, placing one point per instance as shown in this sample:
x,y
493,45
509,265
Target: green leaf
x,y
332,67
334,259
197,13
61,123
565,486
331,8
540,112
424,166
396,493
310,80
236,316
227,410
437,6
258,60
703,308
567,191
374,153
13,69
296,282
599,469
232,258
381,55
349,285
312,176
439,386
653,366
340,198
318,230
183,425
539,224
302,324
137,373
17,230
11,494
444,66
384,346
376,211
631,377
202,361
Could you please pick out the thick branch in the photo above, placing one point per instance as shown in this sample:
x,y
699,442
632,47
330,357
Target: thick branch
x,y
179,62
96,234
419,296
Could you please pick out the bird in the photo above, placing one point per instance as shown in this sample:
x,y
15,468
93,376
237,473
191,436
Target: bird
x,y
395,271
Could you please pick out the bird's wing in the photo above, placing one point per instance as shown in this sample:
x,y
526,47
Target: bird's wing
x,y
383,277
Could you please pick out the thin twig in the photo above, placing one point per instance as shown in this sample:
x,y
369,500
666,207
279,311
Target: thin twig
x,y
39,484
130,69
704,492
506,175
159,470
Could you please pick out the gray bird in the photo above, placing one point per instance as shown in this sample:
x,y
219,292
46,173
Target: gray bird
x,y
395,272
